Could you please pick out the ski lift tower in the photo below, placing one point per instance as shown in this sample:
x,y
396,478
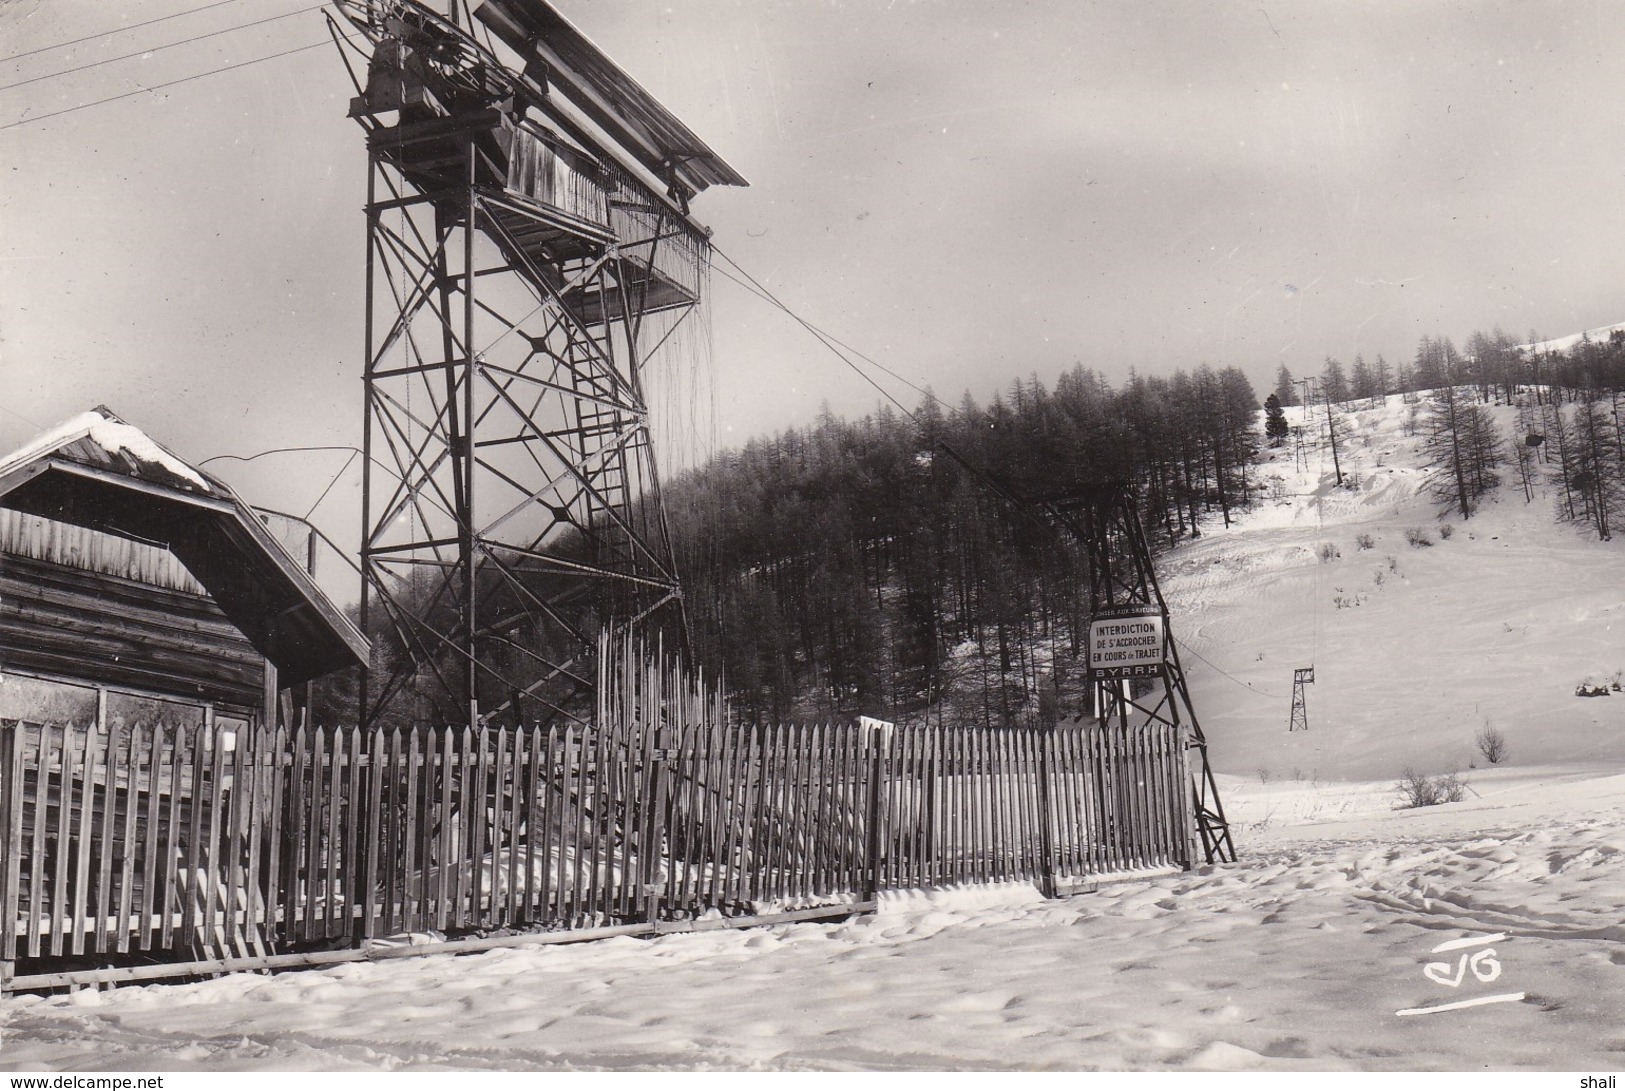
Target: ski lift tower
x,y
1143,682
531,262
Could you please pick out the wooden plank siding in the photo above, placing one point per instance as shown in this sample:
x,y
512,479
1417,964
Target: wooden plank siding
x,y
98,628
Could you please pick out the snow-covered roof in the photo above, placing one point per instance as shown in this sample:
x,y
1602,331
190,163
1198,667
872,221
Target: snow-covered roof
x,y
116,441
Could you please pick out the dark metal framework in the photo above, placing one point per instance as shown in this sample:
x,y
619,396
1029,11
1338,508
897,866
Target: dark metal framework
x,y
1106,521
520,280
1303,676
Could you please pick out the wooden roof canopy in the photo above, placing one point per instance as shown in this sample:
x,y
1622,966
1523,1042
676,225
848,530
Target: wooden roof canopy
x,y
97,471
566,63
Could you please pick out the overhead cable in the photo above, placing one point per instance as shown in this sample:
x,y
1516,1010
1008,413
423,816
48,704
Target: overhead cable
x,y
162,86
116,30
159,48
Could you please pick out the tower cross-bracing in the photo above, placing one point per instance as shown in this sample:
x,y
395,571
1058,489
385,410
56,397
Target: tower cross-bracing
x,y
530,264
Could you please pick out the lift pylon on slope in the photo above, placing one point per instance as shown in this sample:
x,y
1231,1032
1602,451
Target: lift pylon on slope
x,y
1303,676
1105,521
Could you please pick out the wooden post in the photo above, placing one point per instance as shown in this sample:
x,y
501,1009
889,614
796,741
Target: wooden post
x,y
268,699
11,835
655,828
1046,823
877,761
1192,799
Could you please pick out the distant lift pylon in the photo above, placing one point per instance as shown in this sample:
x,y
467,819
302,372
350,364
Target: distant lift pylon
x,y
1303,676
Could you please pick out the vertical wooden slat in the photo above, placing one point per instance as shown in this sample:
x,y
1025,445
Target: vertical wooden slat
x,y
785,825
1141,801
476,769
34,807
334,857
1068,820
84,849
522,875
773,825
396,808
820,883
411,747
370,826
538,880
278,816
750,871
260,820
492,901
152,892
980,804
213,869
61,837
589,784
1037,824
291,845
593,797
432,825
311,829
240,924
126,861
11,814
171,902
190,866
564,831
736,770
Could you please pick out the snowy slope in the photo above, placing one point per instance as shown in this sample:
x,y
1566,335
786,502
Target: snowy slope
x,y
1301,956
1415,649
1564,344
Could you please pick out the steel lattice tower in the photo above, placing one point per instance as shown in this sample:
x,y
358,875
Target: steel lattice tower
x,y
1106,521
529,258
1303,676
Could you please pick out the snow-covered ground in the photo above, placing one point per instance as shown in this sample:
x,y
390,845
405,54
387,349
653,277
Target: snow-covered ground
x,y
1415,649
1299,957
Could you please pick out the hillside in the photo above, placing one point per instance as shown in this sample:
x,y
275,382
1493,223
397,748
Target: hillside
x,y
1415,649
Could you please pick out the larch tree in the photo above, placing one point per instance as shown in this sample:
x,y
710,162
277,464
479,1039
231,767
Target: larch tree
x,y
1275,425
1286,390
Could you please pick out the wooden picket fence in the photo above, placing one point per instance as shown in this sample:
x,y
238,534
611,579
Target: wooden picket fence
x,y
220,851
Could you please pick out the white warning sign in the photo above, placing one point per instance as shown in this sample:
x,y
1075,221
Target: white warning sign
x,y
1126,642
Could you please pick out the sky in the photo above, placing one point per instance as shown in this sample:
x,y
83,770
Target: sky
x,y
971,193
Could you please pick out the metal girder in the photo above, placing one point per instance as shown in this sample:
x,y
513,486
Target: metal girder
x,y
505,410
1106,521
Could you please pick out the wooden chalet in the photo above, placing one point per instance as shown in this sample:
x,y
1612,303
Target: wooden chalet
x,y
135,587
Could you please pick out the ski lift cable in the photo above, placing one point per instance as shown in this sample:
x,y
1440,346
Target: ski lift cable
x,y
1264,693
117,30
163,86
830,342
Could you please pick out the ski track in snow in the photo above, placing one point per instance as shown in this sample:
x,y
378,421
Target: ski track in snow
x,y
1297,958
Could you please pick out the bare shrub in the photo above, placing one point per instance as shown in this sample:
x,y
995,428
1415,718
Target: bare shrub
x,y
1492,744
1420,790
1418,537
1329,552
1445,531
1364,541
